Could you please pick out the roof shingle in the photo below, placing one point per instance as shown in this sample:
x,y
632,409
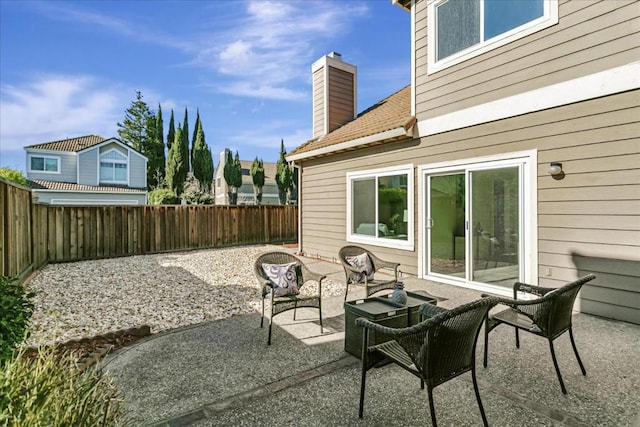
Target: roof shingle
x,y
67,186
390,113
70,144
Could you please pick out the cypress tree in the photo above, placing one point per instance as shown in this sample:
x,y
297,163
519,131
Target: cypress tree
x,y
257,176
185,137
284,176
161,161
233,176
171,135
177,165
195,134
202,160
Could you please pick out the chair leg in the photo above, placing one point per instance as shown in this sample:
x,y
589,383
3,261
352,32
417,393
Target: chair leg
x,y
346,291
364,357
270,324
517,338
431,407
295,308
477,391
555,364
421,384
320,314
575,350
486,341
262,318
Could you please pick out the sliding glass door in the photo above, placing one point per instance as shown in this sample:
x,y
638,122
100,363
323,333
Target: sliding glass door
x,y
474,223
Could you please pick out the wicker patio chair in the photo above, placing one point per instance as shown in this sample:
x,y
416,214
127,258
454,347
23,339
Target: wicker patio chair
x,y
548,316
280,304
436,350
371,286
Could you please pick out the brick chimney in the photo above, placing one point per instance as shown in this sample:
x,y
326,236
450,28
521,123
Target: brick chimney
x,y
334,93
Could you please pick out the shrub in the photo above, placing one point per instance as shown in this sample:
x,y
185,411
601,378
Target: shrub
x,y
13,175
16,308
50,390
162,196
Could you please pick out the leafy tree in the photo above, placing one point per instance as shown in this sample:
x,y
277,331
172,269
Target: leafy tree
x,y
284,177
233,176
162,196
171,135
202,161
195,193
134,129
13,175
257,176
185,137
177,167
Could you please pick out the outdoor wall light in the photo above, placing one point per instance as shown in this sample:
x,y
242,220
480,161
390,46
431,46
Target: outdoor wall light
x,y
555,169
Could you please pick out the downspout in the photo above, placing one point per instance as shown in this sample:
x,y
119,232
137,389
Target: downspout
x,y
299,165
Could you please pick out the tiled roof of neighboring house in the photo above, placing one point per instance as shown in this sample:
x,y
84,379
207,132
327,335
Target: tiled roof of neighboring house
x,y
70,144
66,186
391,113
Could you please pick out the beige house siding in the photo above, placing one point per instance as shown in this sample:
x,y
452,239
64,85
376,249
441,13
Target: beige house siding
x,y
587,222
591,36
318,103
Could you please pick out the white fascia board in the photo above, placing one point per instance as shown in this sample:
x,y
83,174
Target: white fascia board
x,y
48,190
115,141
393,133
609,82
49,152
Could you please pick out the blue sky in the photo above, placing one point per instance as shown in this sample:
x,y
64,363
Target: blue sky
x,y
72,68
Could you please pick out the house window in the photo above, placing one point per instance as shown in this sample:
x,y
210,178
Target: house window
x,y
380,207
463,29
113,167
45,164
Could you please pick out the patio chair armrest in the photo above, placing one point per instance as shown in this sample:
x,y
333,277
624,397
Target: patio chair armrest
x,y
264,285
387,264
430,310
530,289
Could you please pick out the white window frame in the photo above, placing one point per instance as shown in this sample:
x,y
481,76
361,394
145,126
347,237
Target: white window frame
x,y
114,161
529,222
44,157
549,18
408,244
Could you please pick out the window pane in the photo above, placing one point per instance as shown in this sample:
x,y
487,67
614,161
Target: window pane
x,y
392,207
495,211
113,155
120,172
501,16
106,171
37,163
447,213
363,201
458,26
51,165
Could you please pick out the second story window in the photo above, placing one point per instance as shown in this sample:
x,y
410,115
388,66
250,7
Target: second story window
x,y
44,164
113,167
462,29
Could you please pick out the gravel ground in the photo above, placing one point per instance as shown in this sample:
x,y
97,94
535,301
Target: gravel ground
x,y
164,291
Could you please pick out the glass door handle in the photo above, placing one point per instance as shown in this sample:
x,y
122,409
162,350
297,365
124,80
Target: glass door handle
x,y
429,222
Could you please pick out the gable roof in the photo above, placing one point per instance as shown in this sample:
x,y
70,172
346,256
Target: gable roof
x,y
70,144
388,120
38,184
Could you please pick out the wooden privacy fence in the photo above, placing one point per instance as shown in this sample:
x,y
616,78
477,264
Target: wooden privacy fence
x,y
33,234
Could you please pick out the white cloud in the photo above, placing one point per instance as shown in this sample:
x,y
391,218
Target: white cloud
x,y
54,107
268,50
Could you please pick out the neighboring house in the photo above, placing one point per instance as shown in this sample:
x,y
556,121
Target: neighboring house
x,y
88,170
514,153
245,193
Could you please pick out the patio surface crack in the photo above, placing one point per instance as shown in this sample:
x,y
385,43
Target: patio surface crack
x,y
237,400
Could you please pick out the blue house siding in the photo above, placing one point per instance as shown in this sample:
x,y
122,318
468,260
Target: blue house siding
x,y
67,167
88,167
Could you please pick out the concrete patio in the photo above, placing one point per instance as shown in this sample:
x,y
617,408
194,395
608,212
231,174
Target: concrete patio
x,y
222,373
